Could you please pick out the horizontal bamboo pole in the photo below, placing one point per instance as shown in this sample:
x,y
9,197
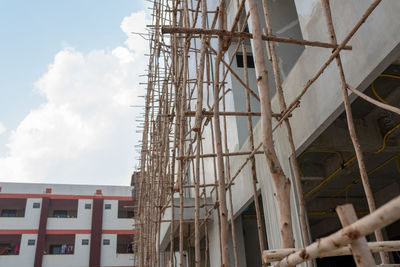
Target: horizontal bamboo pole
x,y
385,215
184,220
228,113
192,113
375,247
296,102
211,155
200,185
170,29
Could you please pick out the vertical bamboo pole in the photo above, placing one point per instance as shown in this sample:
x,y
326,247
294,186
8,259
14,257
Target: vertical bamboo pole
x,y
350,122
228,178
175,67
220,162
282,103
197,128
282,183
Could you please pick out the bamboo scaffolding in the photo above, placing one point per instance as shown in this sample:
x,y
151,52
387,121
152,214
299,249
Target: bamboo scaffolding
x,y
185,149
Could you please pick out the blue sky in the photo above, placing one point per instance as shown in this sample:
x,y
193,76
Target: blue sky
x,y
33,33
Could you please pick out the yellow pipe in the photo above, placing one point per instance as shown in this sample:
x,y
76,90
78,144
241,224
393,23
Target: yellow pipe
x,y
324,181
398,165
355,181
385,137
374,90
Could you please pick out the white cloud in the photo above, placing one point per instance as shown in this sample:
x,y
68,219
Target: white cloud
x,y
2,128
85,131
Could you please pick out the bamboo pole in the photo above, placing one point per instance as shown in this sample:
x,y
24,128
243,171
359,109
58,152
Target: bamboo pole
x,y
224,33
350,122
383,216
375,247
373,101
197,128
282,183
228,175
213,155
283,107
182,135
220,163
251,143
361,254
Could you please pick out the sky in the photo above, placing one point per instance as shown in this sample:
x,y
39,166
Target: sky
x,y
69,78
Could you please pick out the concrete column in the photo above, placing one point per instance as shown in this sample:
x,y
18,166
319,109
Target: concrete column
x,y
41,237
95,236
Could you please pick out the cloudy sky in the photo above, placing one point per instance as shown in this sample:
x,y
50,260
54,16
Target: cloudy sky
x,y
69,76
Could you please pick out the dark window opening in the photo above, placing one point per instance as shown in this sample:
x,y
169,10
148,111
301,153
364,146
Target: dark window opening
x,y
60,214
10,244
85,242
12,207
240,63
125,209
31,242
36,205
60,244
88,206
106,242
124,244
107,206
63,208
9,213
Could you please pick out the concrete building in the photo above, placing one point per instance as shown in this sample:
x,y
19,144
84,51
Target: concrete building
x,y
48,225
325,154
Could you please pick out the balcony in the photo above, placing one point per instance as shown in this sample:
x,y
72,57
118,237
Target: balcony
x,y
63,208
124,244
10,244
59,245
12,207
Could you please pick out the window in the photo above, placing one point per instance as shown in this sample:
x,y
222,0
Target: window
x,y
124,244
60,214
9,213
59,244
125,209
107,206
31,242
63,208
85,242
88,206
106,242
36,205
12,207
240,63
55,249
10,244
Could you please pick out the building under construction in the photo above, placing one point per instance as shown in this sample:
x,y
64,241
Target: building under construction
x,y
270,134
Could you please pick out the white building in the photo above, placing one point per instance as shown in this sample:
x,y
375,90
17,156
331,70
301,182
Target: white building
x,y
65,225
